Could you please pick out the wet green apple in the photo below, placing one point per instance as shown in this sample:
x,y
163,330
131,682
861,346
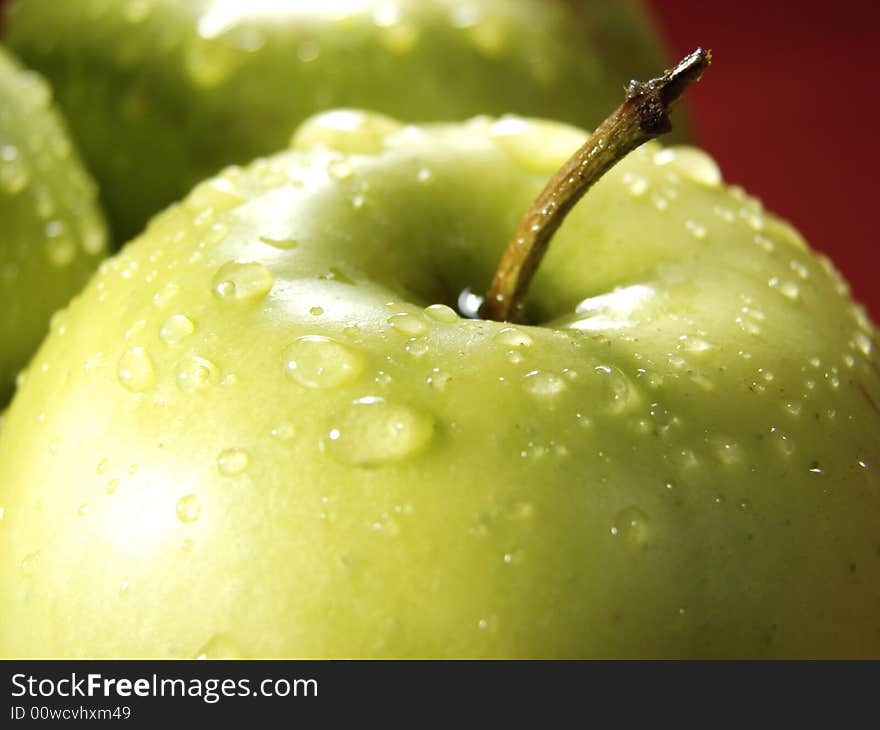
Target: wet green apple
x,y
52,234
264,431
163,93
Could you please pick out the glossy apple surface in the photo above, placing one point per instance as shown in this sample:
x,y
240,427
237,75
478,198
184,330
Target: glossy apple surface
x,y
257,433
163,93
52,234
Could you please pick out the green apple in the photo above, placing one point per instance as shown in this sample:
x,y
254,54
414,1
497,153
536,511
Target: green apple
x,y
164,93
263,430
53,234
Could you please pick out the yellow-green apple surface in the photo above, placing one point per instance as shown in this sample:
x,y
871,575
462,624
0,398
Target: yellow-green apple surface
x,y
262,430
163,93
52,234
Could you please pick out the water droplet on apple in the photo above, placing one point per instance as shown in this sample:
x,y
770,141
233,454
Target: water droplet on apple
x,y
513,337
242,281
863,343
408,324
111,486
442,313
788,289
416,347
438,379
543,384
794,407
283,243
691,162
14,175
316,311
232,462
176,328
696,229
219,647
135,370
60,244
619,393
727,451
340,169
319,362
374,432
284,432
783,441
188,508
632,526
196,373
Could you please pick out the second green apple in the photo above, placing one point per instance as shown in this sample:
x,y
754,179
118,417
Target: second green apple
x,y
163,93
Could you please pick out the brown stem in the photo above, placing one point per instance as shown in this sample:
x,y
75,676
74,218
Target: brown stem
x,y
642,116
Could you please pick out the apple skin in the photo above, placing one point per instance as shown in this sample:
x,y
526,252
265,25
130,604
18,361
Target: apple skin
x,y
679,460
162,93
53,234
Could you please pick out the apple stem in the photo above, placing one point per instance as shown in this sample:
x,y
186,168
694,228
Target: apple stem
x,y
642,116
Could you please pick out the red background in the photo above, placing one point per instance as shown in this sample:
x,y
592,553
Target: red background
x,y
790,110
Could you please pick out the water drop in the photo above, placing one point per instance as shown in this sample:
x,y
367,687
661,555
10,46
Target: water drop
x,y
632,526
219,647
374,432
135,370
696,229
240,281
407,324
60,244
442,313
283,243
176,328
618,391
513,337
727,451
543,384
196,373
783,441
188,508
284,432
691,162
233,462
319,362
340,169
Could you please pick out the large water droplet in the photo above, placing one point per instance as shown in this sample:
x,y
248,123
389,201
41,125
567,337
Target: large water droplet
x,y
242,280
442,313
176,328
319,362
60,243
135,370
513,337
408,324
543,384
618,391
196,373
188,508
219,647
632,526
233,462
374,432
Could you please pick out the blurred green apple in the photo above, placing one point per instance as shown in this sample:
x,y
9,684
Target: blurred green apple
x,y
52,234
299,449
163,93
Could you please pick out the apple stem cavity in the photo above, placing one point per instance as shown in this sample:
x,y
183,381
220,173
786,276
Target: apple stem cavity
x,y
642,116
